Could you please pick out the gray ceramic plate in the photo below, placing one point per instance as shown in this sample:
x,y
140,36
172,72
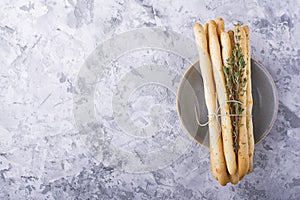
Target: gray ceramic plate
x,y
191,94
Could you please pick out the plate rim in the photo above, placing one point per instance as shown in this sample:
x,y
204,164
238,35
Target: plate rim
x,y
274,116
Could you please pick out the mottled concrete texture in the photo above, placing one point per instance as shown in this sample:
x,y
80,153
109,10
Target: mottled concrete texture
x,y
43,151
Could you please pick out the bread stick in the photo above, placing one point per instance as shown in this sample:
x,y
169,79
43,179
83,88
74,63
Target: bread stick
x,y
234,179
209,87
243,151
228,142
206,33
220,26
231,36
217,159
217,65
249,101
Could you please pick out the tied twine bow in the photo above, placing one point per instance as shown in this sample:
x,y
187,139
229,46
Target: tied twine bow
x,y
216,114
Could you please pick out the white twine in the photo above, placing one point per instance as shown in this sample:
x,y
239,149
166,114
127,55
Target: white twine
x,y
216,114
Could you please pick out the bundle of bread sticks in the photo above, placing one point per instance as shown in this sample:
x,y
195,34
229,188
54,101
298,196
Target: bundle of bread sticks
x,y
225,65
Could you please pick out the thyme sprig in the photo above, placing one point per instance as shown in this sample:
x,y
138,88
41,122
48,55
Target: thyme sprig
x,y
234,70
